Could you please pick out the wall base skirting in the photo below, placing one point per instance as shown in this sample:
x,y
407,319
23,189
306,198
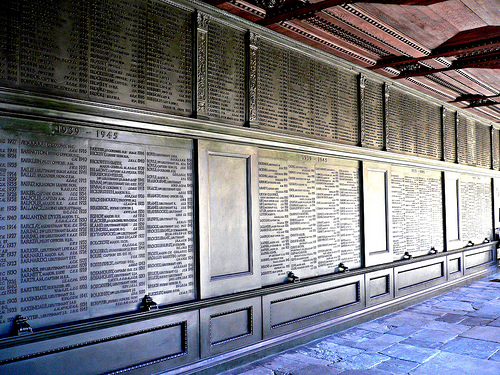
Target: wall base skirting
x,y
275,345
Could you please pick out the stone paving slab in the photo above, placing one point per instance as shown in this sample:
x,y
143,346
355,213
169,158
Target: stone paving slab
x,y
397,366
457,333
450,363
410,353
487,333
475,348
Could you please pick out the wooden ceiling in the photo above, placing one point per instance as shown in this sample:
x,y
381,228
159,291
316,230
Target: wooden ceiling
x,y
449,49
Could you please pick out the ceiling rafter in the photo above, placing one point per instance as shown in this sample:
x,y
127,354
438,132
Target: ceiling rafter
x,y
465,43
304,8
471,98
490,61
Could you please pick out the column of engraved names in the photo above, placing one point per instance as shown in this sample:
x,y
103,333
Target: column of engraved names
x,y
347,108
412,207
299,89
374,116
328,235
272,80
169,43
324,85
53,228
10,22
303,251
274,219
117,225
350,217
398,210
436,226
117,50
226,73
425,223
169,234
9,255
54,47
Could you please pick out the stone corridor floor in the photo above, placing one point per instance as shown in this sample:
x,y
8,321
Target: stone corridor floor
x,y
455,333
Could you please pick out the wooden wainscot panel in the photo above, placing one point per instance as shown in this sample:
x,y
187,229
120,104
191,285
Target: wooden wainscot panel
x,y
230,326
229,218
455,266
137,348
478,259
379,286
417,276
293,309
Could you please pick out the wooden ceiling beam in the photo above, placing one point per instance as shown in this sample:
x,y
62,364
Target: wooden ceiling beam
x,y
394,61
215,2
309,8
489,60
471,98
482,103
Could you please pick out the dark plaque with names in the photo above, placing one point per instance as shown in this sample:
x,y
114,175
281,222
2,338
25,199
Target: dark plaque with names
x,y
495,148
54,47
462,142
422,123
272,78
408,141
117,50
347,107
169,59
417,213
374,115
475,208
134,53
299,91
78,239
10,23
395,120
324,85
309,215
449,136
226,73
483,145
428,130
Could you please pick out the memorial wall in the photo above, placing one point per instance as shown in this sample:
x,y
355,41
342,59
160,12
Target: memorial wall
x,y
164,149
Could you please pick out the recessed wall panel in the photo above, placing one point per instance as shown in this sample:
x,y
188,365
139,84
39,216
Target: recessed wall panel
x,y
153,345
229,224
301,307
414,277
230,326
376,200
477,259
379,286
229,232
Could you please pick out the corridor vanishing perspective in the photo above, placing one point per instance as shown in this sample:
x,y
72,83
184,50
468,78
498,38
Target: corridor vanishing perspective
x,y
455,333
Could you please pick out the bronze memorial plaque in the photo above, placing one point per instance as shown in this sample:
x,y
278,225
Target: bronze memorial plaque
x,y
309,215
94,220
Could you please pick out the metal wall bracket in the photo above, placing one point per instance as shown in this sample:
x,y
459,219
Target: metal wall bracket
x,y
343,268
148,304
407,256
292,278
21,326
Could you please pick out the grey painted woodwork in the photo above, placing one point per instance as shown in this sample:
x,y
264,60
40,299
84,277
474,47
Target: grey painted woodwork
x,y
229,224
